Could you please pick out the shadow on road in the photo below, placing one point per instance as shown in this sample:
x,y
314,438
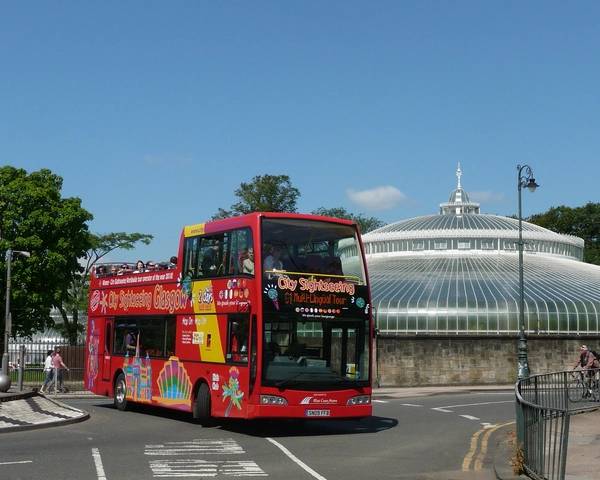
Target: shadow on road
x,y
274,427
305,428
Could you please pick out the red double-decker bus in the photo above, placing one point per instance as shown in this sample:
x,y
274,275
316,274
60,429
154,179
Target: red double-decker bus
x,y
262,315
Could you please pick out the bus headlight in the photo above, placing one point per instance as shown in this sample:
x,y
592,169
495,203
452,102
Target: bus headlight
x,y
360,400
272,400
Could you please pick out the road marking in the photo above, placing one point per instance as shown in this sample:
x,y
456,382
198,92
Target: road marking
x,y
203,468
14,463
442,409
472,455
296,460
484,445
98,462
512,392
380,401
472,449
469,417
410,405
486,425
201,446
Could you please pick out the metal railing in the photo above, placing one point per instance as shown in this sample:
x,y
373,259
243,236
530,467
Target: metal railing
x,y
545,404
26,365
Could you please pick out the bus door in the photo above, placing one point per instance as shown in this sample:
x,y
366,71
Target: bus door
x,y
343,349
107,349
237,356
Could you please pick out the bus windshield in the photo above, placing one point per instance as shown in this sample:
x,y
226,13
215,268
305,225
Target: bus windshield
x,y
307,246
302,353
315,305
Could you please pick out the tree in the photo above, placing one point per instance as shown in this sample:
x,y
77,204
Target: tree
x,y
34,217
582,222
74,299
265,193
366,224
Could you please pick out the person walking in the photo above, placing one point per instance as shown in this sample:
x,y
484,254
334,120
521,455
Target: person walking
x,y
59,365
48,370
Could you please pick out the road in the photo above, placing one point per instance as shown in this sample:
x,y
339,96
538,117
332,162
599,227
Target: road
x,y
407,438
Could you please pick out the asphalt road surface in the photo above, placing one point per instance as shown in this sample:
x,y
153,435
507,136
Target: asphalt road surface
x,y
407,438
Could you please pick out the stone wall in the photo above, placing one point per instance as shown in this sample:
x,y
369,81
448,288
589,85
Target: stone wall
x,y
411,361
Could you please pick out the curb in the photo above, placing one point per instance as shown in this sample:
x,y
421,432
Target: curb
x,y
503,453
58,423
17,396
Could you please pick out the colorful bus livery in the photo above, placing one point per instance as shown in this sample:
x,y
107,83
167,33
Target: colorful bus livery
x,y
264,315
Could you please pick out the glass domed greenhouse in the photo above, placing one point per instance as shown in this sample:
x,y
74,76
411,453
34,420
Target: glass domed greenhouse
x,y
456,273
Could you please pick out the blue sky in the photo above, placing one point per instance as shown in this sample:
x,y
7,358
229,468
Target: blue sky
x,y
154,112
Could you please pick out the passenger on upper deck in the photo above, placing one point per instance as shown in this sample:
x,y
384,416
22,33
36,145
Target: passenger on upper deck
x,y
150,266
139,267
173,262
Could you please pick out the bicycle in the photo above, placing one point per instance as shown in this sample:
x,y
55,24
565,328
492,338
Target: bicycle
x,y
582,387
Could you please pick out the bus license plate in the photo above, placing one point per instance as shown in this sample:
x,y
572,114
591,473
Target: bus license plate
x,y
318,413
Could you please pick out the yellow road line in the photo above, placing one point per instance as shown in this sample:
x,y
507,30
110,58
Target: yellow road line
x,y
473,448
472,453
478,464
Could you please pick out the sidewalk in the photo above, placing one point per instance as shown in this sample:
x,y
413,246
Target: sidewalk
x,y
583,452
28,410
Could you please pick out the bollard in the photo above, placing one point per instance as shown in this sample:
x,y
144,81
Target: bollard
x,y
21,367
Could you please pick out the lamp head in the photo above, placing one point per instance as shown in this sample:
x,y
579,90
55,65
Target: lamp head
x,y
531,185
22,253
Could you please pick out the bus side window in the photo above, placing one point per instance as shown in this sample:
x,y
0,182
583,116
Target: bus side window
x,y
237,338
190,261
242,252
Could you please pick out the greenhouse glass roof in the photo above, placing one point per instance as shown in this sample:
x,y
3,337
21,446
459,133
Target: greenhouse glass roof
x,y
457,273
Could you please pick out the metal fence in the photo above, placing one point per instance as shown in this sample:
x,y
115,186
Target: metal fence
x,y
545,404
26,363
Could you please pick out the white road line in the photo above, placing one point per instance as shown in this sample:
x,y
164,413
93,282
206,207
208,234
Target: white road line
x,y
296,460
446,408
469,417
512,392
98,462
203,468
410,405
14,463
226,446
487,425
380,401
472,404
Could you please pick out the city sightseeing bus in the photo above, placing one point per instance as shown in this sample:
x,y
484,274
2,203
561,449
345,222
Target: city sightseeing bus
x,y
265,315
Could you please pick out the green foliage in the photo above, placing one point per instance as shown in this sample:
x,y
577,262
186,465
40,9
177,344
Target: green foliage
x,y
74,299
366,224
582,222
265,193
34,217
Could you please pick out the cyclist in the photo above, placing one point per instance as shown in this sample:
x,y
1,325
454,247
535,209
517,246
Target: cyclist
x,y
589,365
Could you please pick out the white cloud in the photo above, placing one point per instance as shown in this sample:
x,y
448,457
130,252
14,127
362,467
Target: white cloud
x,y
378,198
486,197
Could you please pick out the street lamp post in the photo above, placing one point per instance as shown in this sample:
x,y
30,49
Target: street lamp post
x,y
4,377
524,180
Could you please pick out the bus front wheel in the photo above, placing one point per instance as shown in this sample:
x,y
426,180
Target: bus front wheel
x,y
201,410
120,397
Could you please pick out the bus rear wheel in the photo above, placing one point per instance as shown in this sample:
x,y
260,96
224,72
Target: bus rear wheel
x,y
201,408
120,395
